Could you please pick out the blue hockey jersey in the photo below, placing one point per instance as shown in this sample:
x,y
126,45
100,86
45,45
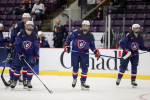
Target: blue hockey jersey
x,y
81,42
18,27
132,43
27,44
2,40
44,42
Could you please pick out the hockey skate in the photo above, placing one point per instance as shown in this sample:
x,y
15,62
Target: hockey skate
x,y
29,86
118,82
20,81
13,85
25,84
134,84
74,83
9,83
84,86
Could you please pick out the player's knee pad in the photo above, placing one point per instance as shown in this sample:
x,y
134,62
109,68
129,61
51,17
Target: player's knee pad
x,y
123,68
134,69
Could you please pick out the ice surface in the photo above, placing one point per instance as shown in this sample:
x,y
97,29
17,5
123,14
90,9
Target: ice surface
x,y
101,89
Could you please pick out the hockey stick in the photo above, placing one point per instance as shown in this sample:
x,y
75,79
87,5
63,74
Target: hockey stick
x,y
2,61
99,55
37,76
2,77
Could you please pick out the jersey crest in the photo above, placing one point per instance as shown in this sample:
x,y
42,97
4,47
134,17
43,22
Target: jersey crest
x,y
27,44
134,46
81,44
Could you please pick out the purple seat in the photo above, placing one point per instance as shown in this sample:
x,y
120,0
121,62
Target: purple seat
x,y
38,24
113,16
6,28
117,23
140,16
128,29
148,36
3,17
2,10
92,29
1,21
147,44
141,22
120,16
72,29
33,1
91,23
11,3
142,29
144,36
129,2
147,29
129,22
19,17
8,23
130,7
130,16
8,9
11,17
16,21
147,22
101,29
98,23
77,28
77,23
67,23
17,3
34,17
147,16
3,2
140,7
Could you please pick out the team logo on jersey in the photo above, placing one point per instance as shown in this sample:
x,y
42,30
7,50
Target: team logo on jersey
x,y
134,46
81,44
27,44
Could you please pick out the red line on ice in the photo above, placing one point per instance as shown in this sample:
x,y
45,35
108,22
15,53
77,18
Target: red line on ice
x,y
141,97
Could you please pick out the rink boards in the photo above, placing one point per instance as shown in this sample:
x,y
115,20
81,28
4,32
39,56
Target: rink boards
x,y
56,62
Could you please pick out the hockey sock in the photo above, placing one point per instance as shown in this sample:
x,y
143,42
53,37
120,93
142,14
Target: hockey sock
x,y
29,73
121,72
84,74
11,71
16,73
133,72
24,73
75,72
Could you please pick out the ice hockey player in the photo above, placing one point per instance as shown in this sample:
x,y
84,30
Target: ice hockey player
x,y
18,27
43,42
131,43
3,41
27,48
82,41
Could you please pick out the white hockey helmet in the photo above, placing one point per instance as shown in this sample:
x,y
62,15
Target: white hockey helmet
x,y
1,25
29,23
26,15
86,22
135,26
40,33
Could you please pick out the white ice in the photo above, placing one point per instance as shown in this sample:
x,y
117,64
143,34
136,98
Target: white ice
x,y
101,89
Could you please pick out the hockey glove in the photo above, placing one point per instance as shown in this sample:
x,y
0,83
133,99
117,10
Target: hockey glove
x,y
148,50
97,53
67,48
36,60
9,49
22,57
